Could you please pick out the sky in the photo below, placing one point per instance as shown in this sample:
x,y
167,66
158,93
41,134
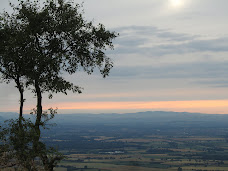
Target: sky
x,y
171,55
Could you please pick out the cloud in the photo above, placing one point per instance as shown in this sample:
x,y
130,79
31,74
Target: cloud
x,y
217,83
200,70
151,41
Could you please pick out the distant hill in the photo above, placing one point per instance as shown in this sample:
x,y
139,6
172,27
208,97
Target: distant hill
x,y
141,118
149,117
1,119
7,115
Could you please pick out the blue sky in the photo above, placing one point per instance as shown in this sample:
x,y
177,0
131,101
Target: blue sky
x,y
168,50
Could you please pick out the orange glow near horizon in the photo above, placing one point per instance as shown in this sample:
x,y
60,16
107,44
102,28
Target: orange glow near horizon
x,y
201,106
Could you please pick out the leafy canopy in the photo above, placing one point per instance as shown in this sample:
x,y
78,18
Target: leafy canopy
x,y
40,43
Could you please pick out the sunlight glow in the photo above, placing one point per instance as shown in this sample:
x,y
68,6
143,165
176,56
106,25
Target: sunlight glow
x,y
203,106
176,3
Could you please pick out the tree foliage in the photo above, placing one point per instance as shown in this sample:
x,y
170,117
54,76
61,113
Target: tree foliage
x,y
41,42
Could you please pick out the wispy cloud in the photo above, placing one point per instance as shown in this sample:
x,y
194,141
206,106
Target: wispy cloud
x,y
186,70
151,41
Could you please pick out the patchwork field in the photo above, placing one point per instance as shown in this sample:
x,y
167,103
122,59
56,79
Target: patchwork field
x,y
153,153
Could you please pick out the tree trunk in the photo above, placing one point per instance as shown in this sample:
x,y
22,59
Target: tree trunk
x,y
21,90
21,103
39,104
48,166
38,118
21,134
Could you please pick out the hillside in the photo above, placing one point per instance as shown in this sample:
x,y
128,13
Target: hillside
x,y
149,117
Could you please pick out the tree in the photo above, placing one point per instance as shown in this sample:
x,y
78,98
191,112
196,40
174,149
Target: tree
x,y
11,60
39,44
179,169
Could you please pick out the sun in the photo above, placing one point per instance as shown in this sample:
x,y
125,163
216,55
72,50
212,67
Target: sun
x,y
176,3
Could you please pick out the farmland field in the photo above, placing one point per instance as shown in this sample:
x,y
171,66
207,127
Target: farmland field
x,y
155,153
149,146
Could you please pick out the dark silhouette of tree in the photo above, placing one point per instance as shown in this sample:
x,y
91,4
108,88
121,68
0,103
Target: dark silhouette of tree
x,y
179,169
12,44
40,43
